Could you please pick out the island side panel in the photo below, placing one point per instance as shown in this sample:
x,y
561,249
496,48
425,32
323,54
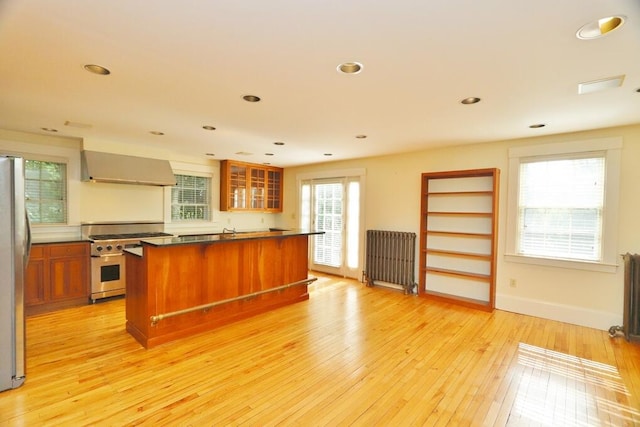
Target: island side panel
x,y
183,276
137,301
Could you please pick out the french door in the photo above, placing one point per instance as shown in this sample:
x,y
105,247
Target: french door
x,y
333,206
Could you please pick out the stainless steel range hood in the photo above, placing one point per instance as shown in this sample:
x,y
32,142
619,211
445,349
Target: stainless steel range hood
x,y
121,169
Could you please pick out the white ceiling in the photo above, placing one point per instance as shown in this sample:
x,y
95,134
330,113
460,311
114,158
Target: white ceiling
x,y
179,65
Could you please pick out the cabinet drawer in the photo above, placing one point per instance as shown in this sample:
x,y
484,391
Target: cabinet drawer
x,y
36,252
78,249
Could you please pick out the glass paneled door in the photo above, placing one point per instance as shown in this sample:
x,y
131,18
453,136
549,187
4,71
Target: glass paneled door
x,y
333,206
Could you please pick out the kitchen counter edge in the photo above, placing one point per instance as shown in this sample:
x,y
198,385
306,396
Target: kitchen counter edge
x,y
224,237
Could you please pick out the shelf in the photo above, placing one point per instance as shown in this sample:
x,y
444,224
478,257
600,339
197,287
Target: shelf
x,y
467,302
460,193
486,257
463,214
458,234
456,273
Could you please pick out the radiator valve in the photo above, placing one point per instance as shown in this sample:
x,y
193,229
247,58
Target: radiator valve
x,y
615,331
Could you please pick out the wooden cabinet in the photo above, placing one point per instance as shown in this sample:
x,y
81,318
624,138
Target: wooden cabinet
x,y
171,283
458,236
57,276
250,187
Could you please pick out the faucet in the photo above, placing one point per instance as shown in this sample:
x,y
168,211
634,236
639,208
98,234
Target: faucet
x,y
229,230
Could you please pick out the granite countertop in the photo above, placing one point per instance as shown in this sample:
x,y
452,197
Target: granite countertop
x,y
51,240
225,237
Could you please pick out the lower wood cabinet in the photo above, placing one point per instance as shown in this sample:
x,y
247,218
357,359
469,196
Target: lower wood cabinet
x,y
57,277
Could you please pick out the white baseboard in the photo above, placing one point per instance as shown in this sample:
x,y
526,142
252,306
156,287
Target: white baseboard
x,y
563,313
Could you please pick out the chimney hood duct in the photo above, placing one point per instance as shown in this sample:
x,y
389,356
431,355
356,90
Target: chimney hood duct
x,y
121,169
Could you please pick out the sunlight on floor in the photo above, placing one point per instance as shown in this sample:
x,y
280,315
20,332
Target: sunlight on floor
x,y
559,389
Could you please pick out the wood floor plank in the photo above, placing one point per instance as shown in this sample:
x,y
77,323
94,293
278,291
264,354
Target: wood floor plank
x,y
350,355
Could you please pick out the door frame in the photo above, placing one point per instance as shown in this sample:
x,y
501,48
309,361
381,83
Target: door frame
x,y
344,174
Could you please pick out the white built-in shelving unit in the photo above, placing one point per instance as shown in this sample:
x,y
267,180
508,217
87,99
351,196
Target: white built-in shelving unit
x,y
458,236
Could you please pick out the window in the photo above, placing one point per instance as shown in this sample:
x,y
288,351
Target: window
x,y
191,198
563,203
46,192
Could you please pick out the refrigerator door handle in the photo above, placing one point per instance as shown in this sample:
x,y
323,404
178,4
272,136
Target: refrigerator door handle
x,y
27,252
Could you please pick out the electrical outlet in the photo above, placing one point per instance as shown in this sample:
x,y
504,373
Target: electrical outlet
x,y
512,283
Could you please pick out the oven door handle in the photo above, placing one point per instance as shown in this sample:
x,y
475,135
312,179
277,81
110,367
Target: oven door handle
x,y
107,255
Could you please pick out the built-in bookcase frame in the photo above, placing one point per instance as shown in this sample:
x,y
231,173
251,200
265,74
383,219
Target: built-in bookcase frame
x,y
458,236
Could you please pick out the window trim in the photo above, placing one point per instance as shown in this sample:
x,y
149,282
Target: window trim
x,y
612,148
58,160
192,221
181,168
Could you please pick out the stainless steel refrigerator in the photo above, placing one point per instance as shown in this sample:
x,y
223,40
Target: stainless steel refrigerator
x,y
14,253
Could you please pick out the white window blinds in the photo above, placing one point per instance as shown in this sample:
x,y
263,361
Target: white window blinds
x,y
191,198
46,192
560,212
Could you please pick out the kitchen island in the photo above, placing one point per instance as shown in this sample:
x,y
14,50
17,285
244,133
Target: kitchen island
x,y
180,286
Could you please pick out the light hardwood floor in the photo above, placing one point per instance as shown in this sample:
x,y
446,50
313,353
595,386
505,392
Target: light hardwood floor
x,y
351,355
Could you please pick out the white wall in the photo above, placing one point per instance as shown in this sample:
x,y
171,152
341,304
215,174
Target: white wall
x,y
97,202
393,202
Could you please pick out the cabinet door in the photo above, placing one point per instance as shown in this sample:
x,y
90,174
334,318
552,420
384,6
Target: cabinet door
x,y
274,190
68,278
34,288
238,183
258,188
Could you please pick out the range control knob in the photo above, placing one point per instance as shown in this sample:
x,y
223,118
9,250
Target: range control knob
x,y
109,247
119,247
99,248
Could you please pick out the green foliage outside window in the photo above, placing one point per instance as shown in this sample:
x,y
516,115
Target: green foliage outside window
x,y
191,198
46,192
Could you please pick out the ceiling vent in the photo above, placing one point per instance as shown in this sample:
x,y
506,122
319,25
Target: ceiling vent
x,y
602,84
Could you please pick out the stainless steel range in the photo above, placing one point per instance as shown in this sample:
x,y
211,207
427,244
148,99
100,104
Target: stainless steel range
x,y
108,240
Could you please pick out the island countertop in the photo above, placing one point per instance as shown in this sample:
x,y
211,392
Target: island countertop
x,y
225,237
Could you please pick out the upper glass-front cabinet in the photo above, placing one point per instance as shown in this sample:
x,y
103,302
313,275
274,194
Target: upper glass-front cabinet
x,y
250,187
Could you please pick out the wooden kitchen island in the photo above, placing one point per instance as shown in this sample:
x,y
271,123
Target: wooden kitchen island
x,y
180,286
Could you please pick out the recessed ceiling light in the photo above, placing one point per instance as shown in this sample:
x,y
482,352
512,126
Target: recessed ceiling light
x,y
207,127
278,143
470,100
49,129
350,67
361,136
243,153
328,154
156,132
266,163
601,27
268,154
537,125
251,98
97,69
209,154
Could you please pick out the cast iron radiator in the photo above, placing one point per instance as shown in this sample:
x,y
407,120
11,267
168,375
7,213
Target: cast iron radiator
x,y
390,257
631,314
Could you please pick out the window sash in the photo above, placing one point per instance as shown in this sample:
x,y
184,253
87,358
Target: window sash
x,y
561,207
191,198
46,192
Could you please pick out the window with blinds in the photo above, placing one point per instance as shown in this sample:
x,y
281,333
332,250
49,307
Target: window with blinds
x,y
191,198
560,207
46,192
